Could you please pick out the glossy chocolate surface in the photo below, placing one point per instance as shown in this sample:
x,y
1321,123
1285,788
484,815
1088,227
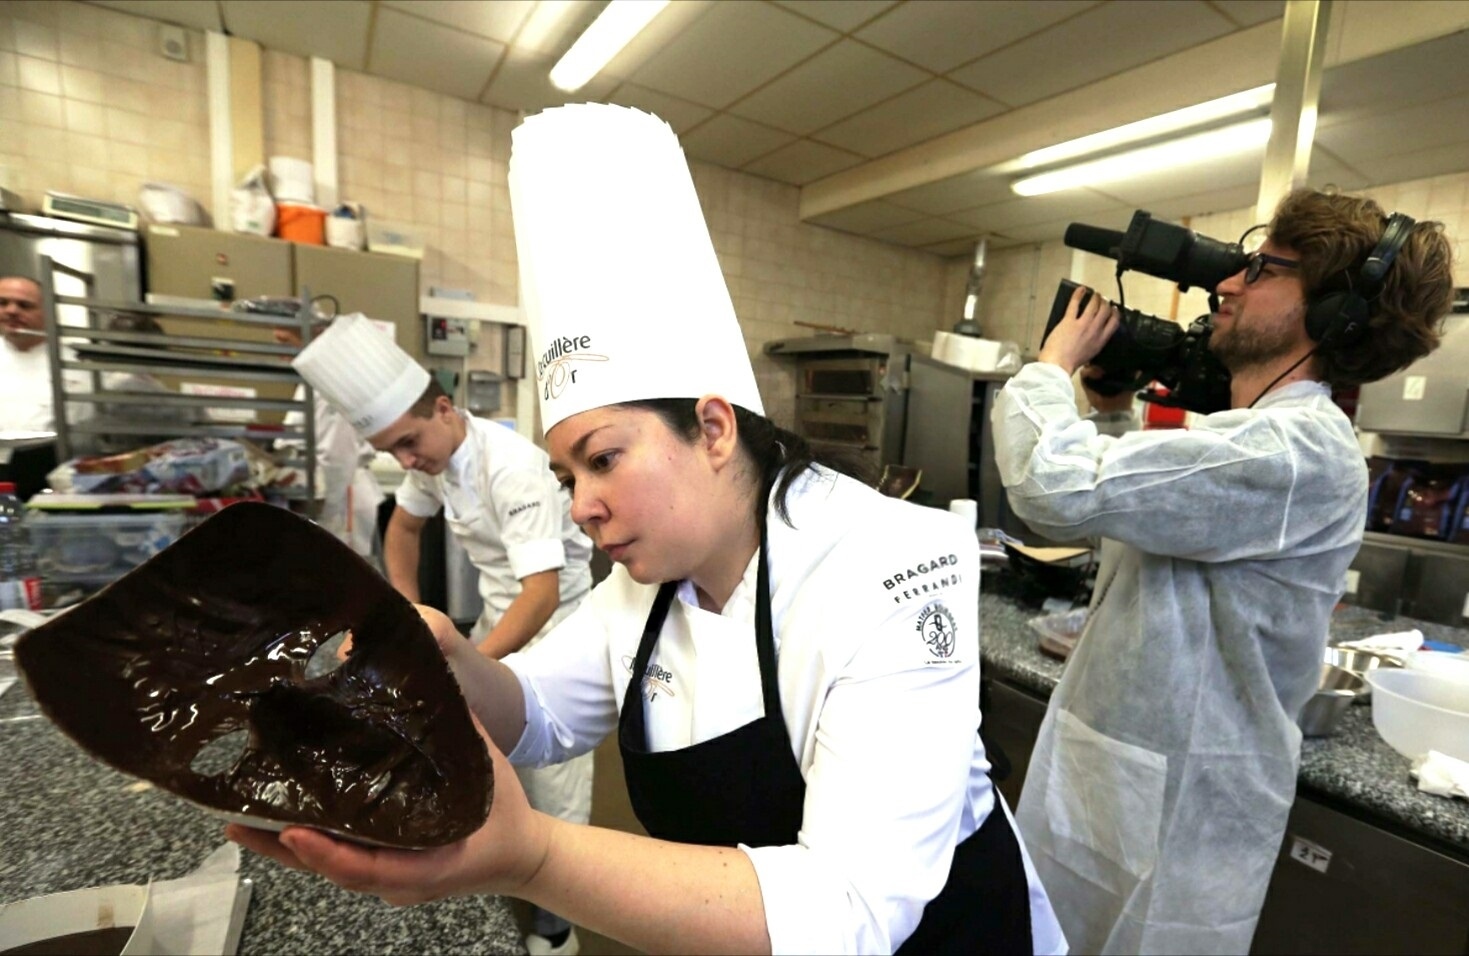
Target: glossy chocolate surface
x,y
213,635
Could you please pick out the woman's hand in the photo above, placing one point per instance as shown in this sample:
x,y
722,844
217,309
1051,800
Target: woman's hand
x,y
501,857
1081,333
451,642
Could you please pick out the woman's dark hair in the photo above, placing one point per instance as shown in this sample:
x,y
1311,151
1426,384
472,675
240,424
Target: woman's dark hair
x,y
780,456
424,406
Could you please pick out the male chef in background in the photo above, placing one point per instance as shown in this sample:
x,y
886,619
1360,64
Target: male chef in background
x,y
350,495
25,384
499,499
1165,768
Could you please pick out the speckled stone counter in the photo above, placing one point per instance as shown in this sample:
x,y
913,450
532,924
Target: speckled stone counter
x,y
69,822
1353,770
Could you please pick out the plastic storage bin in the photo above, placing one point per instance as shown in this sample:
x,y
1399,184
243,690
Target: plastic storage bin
x,y
96,548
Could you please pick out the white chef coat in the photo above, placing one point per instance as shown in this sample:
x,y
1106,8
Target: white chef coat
x,y
349,493
882,724
25,388
1159,787
512,516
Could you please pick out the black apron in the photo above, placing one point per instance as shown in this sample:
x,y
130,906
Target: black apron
x,y
746,787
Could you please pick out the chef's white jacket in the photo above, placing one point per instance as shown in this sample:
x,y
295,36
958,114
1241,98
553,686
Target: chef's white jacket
x,y
512,516
25,388
883,724
349,492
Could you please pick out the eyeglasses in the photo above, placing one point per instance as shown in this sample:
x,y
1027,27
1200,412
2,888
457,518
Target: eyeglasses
x,y
1255,265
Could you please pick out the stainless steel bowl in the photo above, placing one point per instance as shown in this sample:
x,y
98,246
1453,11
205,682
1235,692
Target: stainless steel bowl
x,y
1335,692
1360,663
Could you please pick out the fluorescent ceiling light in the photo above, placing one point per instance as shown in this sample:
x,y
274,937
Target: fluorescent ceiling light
x,y
1231,105
1185,151
614,28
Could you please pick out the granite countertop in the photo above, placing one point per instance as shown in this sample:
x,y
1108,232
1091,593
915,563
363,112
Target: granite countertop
x,y
72,822
1354,769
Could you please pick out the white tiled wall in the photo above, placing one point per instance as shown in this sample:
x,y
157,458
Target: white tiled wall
x,y
88,107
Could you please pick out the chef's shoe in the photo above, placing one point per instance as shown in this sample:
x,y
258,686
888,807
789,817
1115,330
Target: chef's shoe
x,y
541,946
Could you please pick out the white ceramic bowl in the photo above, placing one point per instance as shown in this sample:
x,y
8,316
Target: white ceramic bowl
x,y
1416,711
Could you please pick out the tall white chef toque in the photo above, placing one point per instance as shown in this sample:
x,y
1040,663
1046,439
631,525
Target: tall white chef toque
x,y
362,373
618,276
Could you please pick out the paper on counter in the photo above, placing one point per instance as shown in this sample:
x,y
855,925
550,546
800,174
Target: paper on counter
x,y
204,911
1442,775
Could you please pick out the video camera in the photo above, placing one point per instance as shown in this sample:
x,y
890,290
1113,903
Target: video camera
x,y
1146,348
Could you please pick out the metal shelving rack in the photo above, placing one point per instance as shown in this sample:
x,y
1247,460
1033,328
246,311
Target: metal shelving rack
x,y
137,352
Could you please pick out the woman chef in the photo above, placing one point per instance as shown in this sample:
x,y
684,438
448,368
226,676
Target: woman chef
x,y
800,739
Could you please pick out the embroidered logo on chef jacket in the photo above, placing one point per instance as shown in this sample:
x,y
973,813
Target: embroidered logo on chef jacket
x,y
555,371
925,577
526,506
936,626
656,680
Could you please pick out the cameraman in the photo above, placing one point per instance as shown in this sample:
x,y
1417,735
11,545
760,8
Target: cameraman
x,y
1163,774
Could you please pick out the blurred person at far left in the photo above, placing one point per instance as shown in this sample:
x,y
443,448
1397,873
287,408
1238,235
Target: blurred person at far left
x,y
25,386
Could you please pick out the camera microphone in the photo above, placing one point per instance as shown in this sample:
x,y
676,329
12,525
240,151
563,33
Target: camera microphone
x,y
1094,239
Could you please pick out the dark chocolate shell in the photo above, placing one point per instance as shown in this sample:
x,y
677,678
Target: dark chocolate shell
x,y
212,636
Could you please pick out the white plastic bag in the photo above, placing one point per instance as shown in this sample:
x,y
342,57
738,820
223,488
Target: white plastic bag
x,y
167,203
252,209
345,228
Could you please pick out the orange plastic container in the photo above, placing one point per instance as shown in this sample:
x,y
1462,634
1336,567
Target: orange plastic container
x,y
300,223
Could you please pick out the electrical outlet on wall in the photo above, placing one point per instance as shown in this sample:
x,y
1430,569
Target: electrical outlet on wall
x,y
173,42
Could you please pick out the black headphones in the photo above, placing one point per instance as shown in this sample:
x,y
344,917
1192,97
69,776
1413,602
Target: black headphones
x,y
1340,317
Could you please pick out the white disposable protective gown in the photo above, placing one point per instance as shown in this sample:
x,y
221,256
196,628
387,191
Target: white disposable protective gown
x,y
1158,791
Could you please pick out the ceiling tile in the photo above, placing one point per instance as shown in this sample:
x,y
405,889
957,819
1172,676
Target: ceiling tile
x,y
830,86
1107,39
1007,242
202,14
1046,231
867,217
680,114
1420,164
923,232
802,162
1205,203
432,56
495,21
1421,126
954,248
1007,216
731,50
523,83
732,142
843,15
1405,77
1247,13
333,29
926,111
940,34
957,192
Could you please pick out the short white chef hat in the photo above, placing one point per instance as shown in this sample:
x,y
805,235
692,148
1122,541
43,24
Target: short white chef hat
x,y
618,276
362,373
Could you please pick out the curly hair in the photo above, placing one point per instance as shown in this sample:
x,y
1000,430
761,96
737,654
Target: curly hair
x,y
1333,234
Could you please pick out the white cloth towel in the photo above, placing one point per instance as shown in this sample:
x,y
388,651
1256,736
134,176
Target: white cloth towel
x,y
1441,774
